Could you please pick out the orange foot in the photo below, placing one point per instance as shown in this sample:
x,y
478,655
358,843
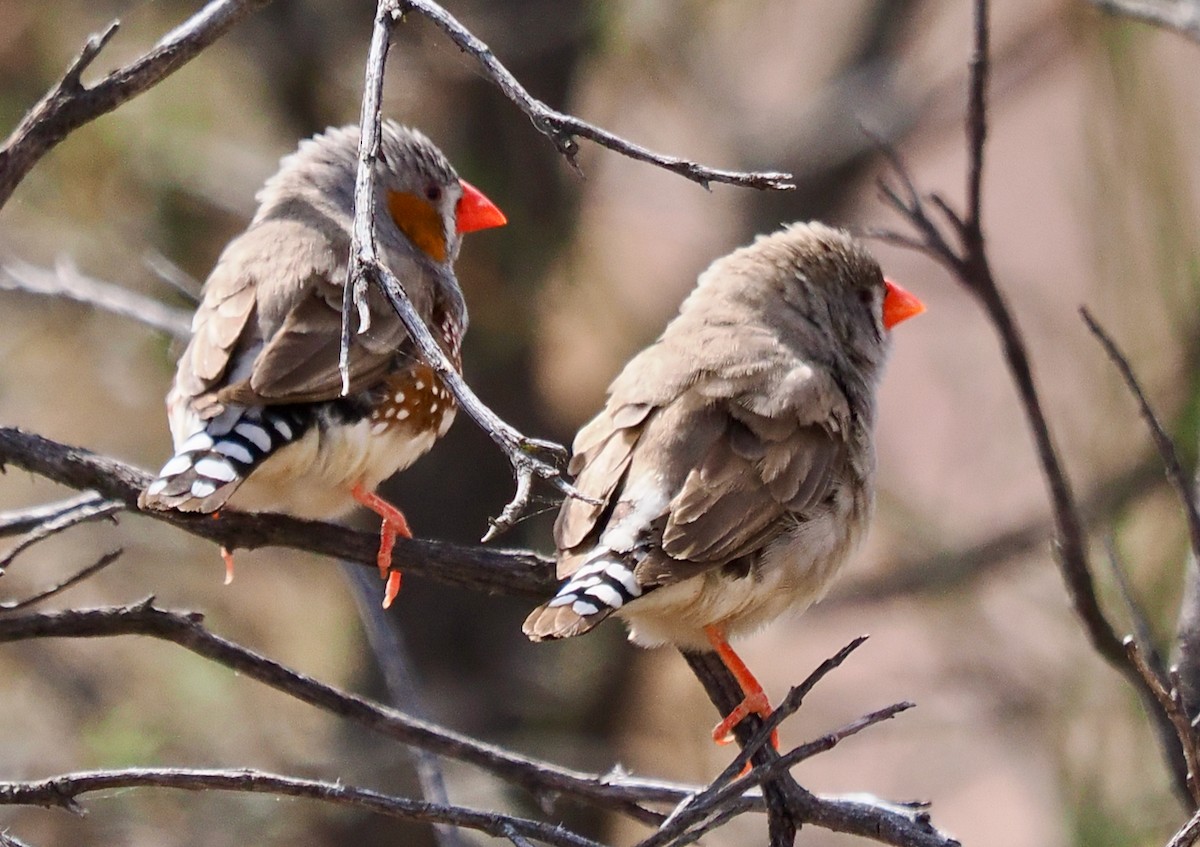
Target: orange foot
x,y
755,700
394,525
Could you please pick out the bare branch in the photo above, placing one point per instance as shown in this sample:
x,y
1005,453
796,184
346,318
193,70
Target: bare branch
x,y
77,577
65,281
563,129
89,510
1182,16
713,796
63,791
902,829
784,798
69,104
529,457
186,629
18,521
972,269
514,573
1143,636
786,708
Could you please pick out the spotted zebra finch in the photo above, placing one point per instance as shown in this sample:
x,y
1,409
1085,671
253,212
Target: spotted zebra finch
x,y
257,412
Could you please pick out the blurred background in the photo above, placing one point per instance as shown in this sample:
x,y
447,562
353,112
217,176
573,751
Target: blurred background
x,y
1022,736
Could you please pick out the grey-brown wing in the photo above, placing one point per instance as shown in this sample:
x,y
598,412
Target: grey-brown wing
x,y
299,363
742,493
269,327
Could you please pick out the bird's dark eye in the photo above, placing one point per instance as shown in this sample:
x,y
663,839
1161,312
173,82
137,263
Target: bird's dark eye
x,y
433,193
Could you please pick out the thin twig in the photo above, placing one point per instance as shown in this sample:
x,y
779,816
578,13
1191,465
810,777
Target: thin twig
x,y
674,831
1142,634
19,521
790,704
63,791
1176,475
563,129
66,282
732,808
973,270
77,577
69,104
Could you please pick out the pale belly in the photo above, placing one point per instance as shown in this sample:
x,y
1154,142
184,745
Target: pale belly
x,y
313,476
795,572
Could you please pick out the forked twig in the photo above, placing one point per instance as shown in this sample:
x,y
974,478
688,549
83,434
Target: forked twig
x,y
70,104
563,129
18,521
970,266
88,510
529,457
707,801
784,798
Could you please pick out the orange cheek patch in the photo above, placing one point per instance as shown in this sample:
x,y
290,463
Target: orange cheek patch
x,y
420,222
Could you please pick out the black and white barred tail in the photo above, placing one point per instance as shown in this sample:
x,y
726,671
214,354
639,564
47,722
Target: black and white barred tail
x,y
210,464
600,587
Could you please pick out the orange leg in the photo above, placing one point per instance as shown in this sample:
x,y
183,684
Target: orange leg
x,y
755,700
394,525
227,556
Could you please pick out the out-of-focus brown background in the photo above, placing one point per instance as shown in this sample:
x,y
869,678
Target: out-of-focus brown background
x,y
1021,737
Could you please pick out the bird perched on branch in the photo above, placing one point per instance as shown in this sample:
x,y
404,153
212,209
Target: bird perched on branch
x,y
257,412
731,472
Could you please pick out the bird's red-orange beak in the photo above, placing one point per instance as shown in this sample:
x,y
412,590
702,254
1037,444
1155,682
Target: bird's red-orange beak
x,y
475,211
899,305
